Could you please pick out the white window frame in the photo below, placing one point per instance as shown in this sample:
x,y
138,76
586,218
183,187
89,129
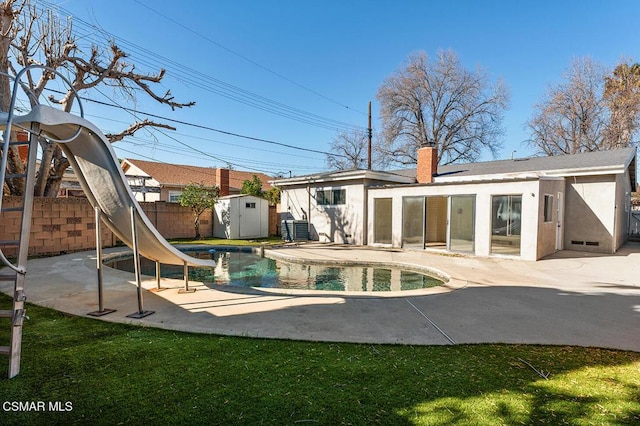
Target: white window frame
x,y
173,196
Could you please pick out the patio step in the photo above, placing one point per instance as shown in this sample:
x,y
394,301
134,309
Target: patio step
x,y
4,350
6,313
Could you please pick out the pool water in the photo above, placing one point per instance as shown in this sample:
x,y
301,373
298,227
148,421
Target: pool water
x,y
245,269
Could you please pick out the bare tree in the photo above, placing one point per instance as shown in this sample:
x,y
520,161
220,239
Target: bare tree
x,y
440,103
8,32
622,94
44,39
573,116
349,150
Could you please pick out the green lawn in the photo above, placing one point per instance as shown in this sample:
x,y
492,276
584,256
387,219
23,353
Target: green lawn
x,y
113,373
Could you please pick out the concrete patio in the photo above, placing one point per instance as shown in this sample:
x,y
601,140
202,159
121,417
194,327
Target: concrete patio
x,y
570,298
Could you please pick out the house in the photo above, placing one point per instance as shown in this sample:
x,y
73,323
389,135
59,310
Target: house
x,y
524,208
241,217
153,181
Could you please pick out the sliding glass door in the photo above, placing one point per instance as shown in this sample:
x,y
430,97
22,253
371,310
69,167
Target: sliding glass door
x,y
382,220
413,221
506,212
439,222
462,223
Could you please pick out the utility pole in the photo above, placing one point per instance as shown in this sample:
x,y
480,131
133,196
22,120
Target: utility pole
x,y
370,135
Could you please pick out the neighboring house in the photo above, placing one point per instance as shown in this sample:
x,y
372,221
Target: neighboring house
x,y
241,217
152,181
70,187
525,208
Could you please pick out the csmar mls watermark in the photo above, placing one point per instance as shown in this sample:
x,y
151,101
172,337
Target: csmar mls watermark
x,y
27,406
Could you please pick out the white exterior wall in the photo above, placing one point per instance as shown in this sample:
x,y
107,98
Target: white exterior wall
x,y
623,209
152,183
339,223
483,192
590,213
222,219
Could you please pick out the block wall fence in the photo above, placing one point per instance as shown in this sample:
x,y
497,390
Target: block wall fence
x,y
63,225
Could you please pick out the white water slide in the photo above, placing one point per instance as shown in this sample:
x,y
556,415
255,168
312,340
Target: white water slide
x,y
105,185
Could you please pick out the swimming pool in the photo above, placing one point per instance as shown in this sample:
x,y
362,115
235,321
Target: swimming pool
x,y
242,268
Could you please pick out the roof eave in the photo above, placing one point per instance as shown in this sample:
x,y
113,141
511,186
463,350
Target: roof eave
x,y
341,177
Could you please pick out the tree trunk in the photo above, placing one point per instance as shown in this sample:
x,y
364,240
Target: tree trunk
x,y
6,23
14,163
196,225
60,165
43,171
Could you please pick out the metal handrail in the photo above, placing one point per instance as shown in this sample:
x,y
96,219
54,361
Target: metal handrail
x,y
7,138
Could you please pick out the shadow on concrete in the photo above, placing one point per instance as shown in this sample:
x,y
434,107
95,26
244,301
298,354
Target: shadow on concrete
x,y
627,249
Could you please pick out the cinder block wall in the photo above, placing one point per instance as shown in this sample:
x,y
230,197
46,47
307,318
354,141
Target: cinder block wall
x,y
58,225
174,221
62,225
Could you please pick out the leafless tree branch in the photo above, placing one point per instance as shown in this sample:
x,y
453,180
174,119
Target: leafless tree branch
x,y
440,103
115,137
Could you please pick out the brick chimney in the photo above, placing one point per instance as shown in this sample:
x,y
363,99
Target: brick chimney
x,y
427,164
23,150
222,180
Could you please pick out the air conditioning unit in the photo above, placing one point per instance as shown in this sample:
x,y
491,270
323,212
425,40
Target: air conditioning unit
x,y
295,230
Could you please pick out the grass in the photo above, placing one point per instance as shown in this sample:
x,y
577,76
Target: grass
x,y
114,373
225,242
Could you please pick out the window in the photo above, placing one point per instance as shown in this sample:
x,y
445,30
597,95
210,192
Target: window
x,y
250,205
331,197
548,208
382,220
174,196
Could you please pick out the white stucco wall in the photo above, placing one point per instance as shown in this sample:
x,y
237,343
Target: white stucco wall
x,y
623,209
590,213
483,192
334,223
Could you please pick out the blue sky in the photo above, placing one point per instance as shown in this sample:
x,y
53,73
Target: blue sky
x,y
328,58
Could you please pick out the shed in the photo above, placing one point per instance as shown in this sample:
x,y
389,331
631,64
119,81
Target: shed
x,y
241,217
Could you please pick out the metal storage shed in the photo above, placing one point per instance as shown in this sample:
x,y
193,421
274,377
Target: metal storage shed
x,y
240,217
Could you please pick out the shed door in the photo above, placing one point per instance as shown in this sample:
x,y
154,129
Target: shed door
x,y
249,218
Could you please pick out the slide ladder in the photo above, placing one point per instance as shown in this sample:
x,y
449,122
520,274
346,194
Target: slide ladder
x,y
19,214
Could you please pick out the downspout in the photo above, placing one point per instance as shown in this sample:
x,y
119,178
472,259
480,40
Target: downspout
x,y
309,210
615,237
365,215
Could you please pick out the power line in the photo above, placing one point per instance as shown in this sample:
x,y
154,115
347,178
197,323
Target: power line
x,y
211,84
199,126
133,114
241,56
216,141
264,167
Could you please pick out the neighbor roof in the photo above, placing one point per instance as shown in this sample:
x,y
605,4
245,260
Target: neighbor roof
x,y
346,175
181,175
